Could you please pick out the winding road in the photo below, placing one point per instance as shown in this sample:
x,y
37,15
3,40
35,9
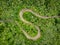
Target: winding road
x,y
36,14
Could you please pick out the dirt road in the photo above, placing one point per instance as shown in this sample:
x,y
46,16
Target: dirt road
x,y
36,14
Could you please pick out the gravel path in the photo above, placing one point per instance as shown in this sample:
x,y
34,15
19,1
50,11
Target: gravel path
x,y
25,33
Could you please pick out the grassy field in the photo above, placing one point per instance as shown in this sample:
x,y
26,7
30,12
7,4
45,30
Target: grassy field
x,y
10,32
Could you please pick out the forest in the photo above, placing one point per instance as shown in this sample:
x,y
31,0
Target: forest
x,y
11,32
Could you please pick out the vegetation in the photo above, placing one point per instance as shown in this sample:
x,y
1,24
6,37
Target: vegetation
x,y
10,32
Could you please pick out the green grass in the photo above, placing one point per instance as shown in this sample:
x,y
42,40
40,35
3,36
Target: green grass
x,y
10,32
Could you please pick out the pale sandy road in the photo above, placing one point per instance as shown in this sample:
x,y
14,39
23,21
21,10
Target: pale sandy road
x,y
25,33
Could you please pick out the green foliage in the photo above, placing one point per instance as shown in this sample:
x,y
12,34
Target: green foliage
x,y
10,32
